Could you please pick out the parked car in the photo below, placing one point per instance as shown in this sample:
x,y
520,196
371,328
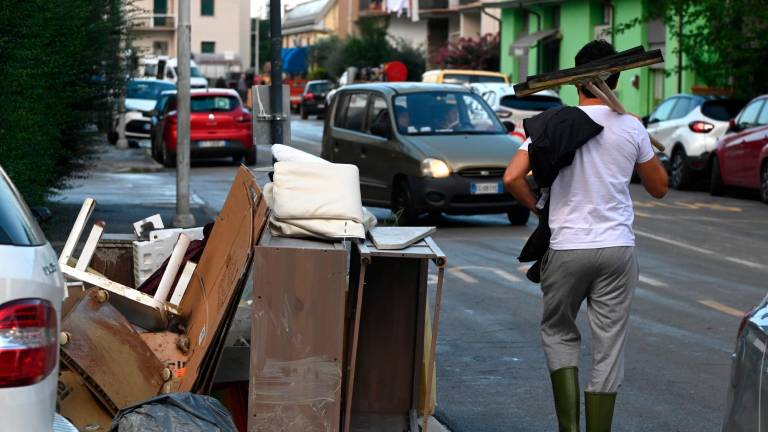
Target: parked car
x,y
461,76
743,410
514,109
313,98
741,156
689,126
422,148
133,123
30,307
220,127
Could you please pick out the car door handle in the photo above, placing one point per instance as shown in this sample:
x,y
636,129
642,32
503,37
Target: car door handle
x,y
363,152
335,147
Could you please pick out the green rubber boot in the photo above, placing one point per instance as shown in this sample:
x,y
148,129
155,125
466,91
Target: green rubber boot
x,y
599,411
565,387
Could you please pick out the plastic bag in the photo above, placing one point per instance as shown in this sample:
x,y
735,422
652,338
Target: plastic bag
x,y
186,412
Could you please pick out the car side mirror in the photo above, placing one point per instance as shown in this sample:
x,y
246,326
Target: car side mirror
x,y
733,126
42,214
151,113
509,125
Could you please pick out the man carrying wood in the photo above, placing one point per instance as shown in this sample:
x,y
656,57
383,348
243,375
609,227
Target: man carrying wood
x,y
591,252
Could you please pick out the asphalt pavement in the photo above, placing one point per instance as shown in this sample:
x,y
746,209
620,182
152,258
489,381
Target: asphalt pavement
x,y
703,265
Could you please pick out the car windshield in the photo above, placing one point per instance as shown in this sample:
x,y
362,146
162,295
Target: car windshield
x,y
147,89
722,109
194,72
470,78
320,87
530,103
444,113
214,103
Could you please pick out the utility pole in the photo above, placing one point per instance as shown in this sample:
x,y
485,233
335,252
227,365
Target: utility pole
x,y
276,87
183,217
256,44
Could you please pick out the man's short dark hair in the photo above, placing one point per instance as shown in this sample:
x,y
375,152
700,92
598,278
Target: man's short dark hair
x,y
592,51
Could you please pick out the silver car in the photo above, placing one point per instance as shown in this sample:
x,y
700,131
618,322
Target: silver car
x,y
31,294
747,406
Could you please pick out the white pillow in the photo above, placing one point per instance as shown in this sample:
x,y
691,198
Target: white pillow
x,y
283,153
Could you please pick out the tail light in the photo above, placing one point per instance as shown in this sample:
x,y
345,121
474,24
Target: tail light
x,y
28,342
701,126
309,96
243,118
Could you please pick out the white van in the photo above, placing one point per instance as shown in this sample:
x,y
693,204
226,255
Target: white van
x,y
164,68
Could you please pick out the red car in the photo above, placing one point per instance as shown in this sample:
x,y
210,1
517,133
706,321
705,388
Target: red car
x,y
741,156
220,127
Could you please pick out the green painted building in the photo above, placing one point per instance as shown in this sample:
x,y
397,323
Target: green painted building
x,y
545,35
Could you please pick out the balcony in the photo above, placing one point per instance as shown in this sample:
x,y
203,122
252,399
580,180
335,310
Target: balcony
x,y
433,4
154,22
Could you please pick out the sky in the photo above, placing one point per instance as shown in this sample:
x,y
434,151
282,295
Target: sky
x,y
260,5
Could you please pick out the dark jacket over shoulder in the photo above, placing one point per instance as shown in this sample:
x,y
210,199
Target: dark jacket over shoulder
x,y
555,136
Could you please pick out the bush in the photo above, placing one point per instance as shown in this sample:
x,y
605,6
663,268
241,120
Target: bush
x,y
471,53
60,61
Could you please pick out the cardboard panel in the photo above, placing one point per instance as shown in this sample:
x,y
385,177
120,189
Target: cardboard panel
x,y
107,352
76,402
214,285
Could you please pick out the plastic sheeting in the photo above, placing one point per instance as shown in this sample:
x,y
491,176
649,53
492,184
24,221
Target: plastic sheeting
x,y
175,412
294,60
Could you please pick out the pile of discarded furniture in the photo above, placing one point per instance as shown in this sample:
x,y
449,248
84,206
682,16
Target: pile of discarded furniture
x,y
340,332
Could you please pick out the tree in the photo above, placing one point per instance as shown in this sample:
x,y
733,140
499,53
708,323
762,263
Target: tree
x,y
480,53
723,40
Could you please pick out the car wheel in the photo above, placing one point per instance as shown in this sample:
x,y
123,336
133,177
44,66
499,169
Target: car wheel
x,y
303,112
518,216
680,175
402,205
764,182
169,159
250,157
716,186
112,137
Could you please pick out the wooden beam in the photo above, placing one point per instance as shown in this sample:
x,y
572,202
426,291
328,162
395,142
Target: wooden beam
x,y
90,246
77,230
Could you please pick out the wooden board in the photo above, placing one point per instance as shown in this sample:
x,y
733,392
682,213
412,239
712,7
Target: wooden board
x,y
395,238
214,283
297,336
107,352
76,402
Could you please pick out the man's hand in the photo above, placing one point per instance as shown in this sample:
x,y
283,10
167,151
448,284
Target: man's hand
x,y
515,183
654,177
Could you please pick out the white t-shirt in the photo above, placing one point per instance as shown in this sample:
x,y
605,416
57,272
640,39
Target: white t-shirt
x,y
590,206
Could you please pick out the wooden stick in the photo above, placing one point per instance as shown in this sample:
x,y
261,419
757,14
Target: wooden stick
x,y
90,245
172,269
77,230
181,286
432,347
353,349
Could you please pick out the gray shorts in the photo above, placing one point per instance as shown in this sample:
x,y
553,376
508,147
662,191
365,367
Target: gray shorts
x,y
606,278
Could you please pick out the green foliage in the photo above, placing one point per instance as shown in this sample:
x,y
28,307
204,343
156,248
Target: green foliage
x,y
60,62
723,41
372,48
318,73
265,46
471,53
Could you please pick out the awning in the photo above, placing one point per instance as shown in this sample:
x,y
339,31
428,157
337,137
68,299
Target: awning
x,y
521,46
294,60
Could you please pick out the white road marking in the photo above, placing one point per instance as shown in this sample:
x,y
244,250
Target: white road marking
x,y
722,308
702,251
456,271
652,282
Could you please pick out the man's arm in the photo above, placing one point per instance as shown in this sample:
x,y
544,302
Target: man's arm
x,y
654,177
514,180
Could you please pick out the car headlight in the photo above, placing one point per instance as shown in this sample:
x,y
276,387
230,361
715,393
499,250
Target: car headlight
x,y
435,168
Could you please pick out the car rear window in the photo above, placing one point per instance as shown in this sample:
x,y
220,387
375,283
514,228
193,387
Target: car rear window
x,y
319,87
214,103
530,103
722,109
17,226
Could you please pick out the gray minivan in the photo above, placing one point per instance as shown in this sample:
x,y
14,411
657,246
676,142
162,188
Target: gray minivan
x,y
422,148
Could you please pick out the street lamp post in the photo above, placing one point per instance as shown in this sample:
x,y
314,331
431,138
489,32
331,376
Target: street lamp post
x,y
276,88
183,217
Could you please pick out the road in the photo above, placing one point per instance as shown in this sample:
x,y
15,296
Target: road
x,y
702,265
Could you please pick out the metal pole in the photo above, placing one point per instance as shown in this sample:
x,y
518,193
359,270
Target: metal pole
x,y
276,88
258,40
183,217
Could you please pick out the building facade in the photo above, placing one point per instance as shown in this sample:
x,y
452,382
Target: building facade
x,y
545,35
307,22
220,29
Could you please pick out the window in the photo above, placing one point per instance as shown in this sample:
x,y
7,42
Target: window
x,y
748,117
169,73
356,111
683,107
213,103
207,47
663,111
159,10
530,103
206,7
762,119
16,224
444,113
379,117
160,47
341,111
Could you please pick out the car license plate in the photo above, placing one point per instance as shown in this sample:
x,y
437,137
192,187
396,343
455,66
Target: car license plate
x,y
321,105
485,188
209,144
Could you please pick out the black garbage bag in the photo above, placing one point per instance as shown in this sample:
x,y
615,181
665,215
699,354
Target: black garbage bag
x,y
175,412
